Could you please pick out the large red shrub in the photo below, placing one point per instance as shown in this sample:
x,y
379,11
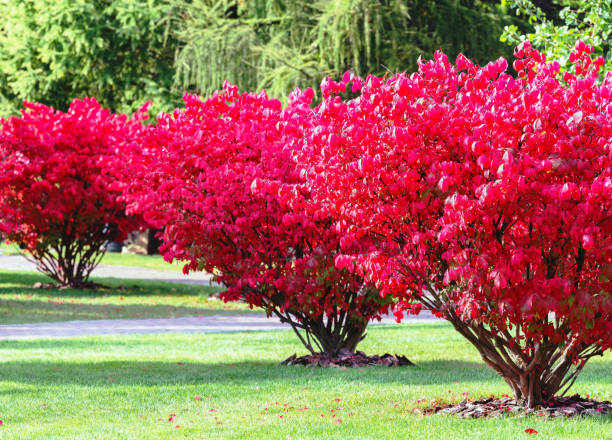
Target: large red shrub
x,y
218,176
491,201
56,199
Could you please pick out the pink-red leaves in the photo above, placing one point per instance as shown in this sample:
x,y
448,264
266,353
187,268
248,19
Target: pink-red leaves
x,y
494,190
233,203
57,177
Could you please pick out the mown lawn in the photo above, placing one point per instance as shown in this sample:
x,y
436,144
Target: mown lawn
x,y
21,303
117,259
147,261
144,387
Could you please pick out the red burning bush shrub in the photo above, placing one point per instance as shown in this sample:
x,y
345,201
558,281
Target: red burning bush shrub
x,y
218,176
490,198
56,199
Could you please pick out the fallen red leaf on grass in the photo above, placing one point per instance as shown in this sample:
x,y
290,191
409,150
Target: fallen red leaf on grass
x,y
531,431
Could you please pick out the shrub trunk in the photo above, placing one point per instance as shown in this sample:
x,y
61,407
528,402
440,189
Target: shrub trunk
x,y
535,377
327,335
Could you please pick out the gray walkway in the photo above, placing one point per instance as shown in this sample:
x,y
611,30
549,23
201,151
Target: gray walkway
x,y
17,262
205,324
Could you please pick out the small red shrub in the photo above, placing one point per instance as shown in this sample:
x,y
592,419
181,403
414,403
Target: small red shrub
x,y
218,176
56,196
490,198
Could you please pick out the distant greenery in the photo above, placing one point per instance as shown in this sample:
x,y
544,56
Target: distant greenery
x,y
119,51
125,52
21,303
556,34
279,45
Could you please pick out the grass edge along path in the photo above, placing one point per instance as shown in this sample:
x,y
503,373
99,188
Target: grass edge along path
x,y
230,386
21,303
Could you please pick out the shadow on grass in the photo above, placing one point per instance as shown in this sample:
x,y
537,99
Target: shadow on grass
x,y
110,374
46,311
118,373
22,282
20,302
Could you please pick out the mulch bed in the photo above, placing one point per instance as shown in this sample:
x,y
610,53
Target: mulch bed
x,y
346,358
571,406
91,285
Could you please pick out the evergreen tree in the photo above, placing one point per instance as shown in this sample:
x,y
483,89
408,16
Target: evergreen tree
x,y
120,51
279,45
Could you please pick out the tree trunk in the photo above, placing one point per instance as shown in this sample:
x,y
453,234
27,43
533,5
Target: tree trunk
x,y
347,338
70,263
329,335
533,378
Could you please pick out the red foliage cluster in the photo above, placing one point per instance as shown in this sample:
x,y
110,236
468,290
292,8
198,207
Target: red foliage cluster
x,y
483,197
56,199
218,176
490,198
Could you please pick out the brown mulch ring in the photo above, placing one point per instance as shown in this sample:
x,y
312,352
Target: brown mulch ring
x,y
346,358
556,407
91,285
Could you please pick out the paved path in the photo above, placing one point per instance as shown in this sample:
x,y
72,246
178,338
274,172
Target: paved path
x,y
205,324
17,262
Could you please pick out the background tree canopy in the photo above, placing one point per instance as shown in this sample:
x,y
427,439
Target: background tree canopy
x,y
120,51
558,24
280,44
124,52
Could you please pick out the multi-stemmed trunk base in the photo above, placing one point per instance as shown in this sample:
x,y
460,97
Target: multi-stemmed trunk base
x,y
506,406
535,372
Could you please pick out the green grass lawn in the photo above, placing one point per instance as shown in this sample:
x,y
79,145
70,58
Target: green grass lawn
x,y
21,303
117,259
147,261
128,387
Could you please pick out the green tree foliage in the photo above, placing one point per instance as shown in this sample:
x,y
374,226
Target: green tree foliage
x,y
120,51
126,51
587,20
282,44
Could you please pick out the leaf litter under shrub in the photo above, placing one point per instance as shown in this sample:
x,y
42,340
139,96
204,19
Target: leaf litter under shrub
x,y
346,358
556,407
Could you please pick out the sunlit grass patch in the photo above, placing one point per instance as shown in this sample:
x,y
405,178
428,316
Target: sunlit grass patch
x,y
145,387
